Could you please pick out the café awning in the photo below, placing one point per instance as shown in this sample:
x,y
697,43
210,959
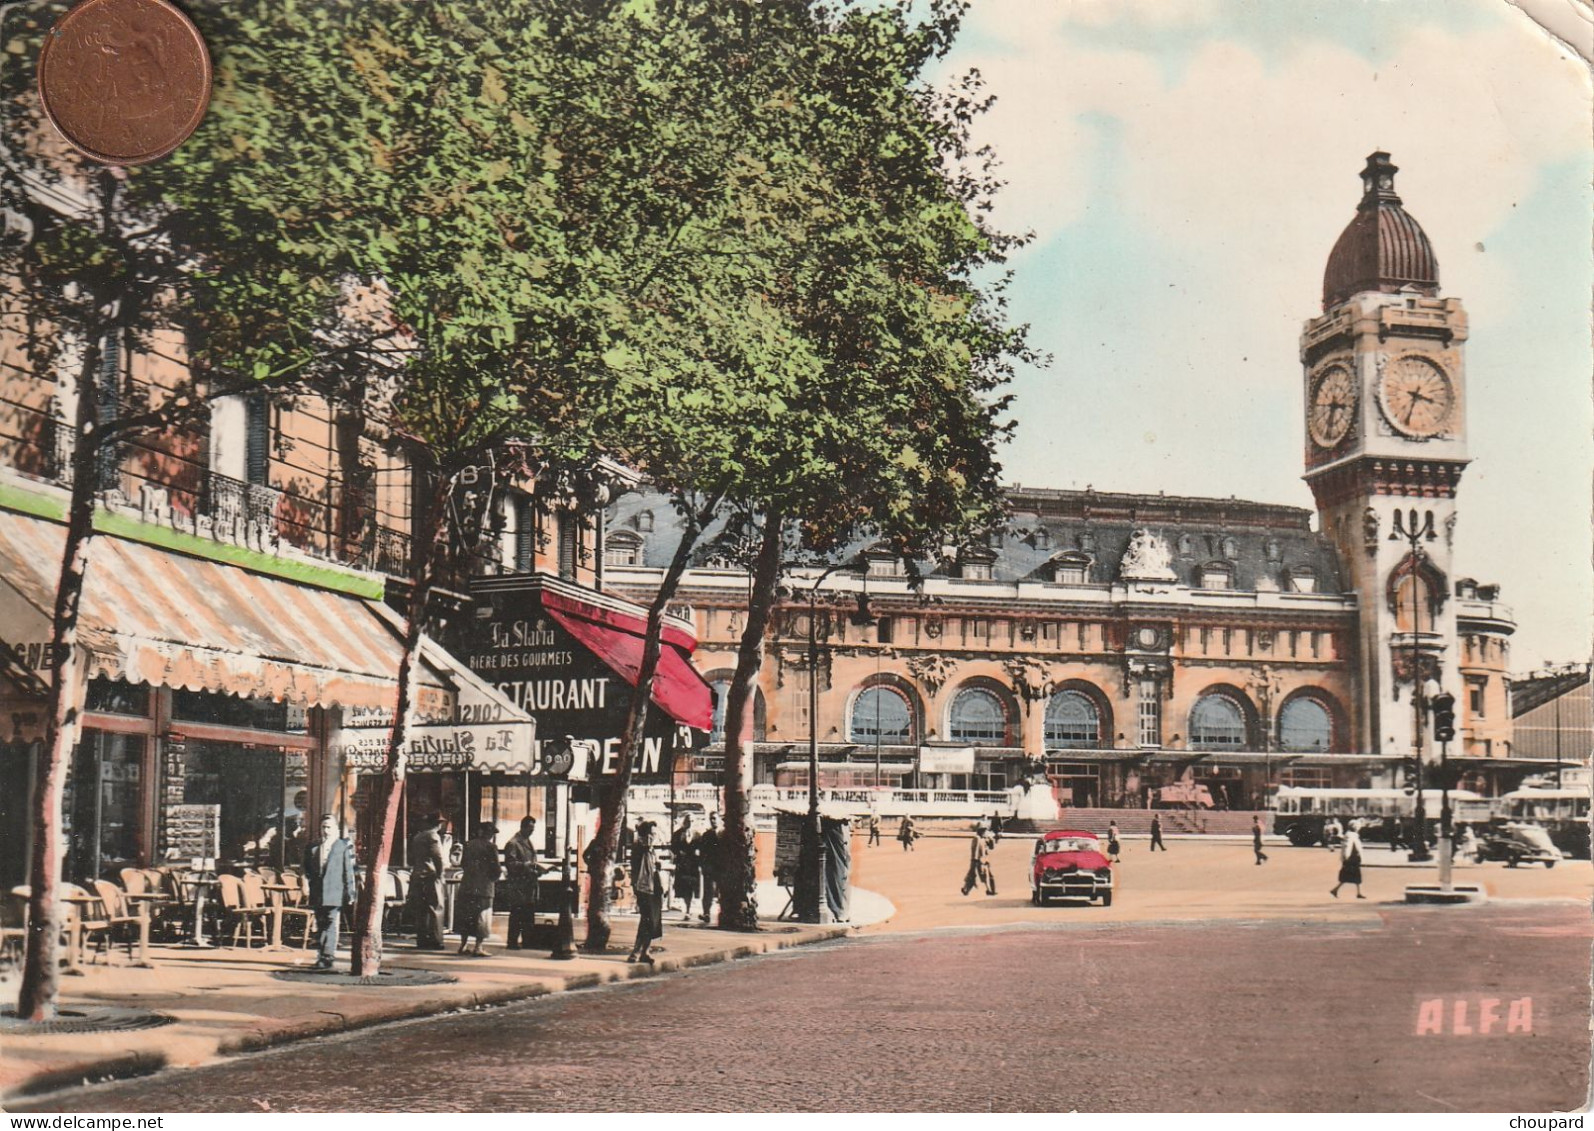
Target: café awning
x,y
616,638
156,616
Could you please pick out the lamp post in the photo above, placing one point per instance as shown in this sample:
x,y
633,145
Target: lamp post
x,y
808,893
1413,533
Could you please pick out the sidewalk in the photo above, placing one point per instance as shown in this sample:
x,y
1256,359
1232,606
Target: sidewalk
x,y
227,1000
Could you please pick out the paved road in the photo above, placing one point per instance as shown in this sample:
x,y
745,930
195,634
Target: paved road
x,y
1264,1015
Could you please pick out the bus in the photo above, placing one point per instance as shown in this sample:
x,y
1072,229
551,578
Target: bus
x,y
1564,814
1300,813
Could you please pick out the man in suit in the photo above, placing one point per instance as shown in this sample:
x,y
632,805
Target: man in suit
x,y
523,871
329,868
426,884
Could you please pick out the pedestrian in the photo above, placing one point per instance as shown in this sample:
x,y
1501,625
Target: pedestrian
x,y
1256,839
907,834
1350,862
647,883
1332,833
521,874
473,911
425,901
1113,847
996,826
688,868
708,860
1156,834
980,846
874,829
1467,845
329,868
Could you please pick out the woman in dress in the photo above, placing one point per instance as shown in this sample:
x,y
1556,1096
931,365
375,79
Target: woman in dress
x,y
1112,841
1350,861
647,883
473,907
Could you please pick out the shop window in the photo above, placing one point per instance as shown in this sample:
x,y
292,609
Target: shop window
x,y
100,810
978,718
1305,725
881,715
254,790
1217,723
117,697
1072,720
234,711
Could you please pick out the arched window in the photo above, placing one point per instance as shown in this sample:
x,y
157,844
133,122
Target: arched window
x,y
623,548
881,714
1305,724
1072,721
978,717
1217,723
1414,605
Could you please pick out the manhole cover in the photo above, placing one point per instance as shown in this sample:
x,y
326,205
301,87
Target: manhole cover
x,y
85,1019
397,977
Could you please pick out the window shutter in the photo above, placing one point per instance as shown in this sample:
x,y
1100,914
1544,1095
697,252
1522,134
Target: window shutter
x,y
525,534
108,395
257,438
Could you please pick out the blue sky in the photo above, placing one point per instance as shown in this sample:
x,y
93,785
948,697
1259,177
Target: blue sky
x,y
1185,167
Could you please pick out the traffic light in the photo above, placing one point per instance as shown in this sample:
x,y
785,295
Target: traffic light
x,y
1444,717
1408,768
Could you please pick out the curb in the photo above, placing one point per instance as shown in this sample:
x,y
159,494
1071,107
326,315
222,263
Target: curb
x,y
326,1022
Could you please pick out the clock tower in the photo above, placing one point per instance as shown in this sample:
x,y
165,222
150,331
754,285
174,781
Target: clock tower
x,y
1385,436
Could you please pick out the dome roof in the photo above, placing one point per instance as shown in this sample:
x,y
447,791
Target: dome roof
x,y
1383,248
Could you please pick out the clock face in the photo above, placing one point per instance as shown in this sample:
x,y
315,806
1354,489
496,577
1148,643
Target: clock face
x,y
1333,406
1416,396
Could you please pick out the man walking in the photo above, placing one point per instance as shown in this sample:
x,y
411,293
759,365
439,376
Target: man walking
x,y
874,828
1156,835
522,873
329,868
1256,839
708,860
980,846
426,884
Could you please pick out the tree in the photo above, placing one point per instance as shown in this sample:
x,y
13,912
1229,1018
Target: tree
x,y
902,423
94,257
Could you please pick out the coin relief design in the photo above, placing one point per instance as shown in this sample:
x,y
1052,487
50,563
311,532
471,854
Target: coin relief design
x,y
124,81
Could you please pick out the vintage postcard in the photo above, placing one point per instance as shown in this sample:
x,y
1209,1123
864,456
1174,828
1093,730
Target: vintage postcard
x,y
1019,556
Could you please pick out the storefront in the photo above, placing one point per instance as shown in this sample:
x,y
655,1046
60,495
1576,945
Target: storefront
x,y
570,657
211,692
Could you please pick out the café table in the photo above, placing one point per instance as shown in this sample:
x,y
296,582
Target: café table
x,y
73,928
197,886
278,894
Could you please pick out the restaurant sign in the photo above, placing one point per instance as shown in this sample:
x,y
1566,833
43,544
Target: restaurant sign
x,y
567,687
431,746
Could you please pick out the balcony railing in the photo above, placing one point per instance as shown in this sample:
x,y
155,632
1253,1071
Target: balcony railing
x,y
229,502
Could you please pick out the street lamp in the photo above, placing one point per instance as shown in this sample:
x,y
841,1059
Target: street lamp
x,y
808,892
1420,691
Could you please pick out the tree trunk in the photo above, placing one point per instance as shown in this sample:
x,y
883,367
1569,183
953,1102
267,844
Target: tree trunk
x,y
41,961
611,795
737,871
366,946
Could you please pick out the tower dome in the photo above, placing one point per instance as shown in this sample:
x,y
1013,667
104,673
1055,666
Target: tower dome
x,y
1383,248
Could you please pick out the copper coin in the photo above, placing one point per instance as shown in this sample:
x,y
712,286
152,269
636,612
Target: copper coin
x,y
125,81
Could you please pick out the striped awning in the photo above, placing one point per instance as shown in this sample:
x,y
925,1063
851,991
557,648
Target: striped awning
x,y
152,615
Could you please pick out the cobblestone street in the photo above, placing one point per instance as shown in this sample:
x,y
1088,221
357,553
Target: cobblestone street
x,y
1281,1014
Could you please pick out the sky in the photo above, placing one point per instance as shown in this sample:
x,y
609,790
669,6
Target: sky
x,y
1184,168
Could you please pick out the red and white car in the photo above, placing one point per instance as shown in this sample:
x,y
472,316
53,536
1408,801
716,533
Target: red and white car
x,y
1068,864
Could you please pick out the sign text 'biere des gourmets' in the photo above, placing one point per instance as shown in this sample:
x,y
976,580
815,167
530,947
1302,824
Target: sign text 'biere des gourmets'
x,y
541,668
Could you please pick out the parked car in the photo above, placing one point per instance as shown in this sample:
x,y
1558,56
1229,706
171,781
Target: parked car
x,y
1068,864
1517,843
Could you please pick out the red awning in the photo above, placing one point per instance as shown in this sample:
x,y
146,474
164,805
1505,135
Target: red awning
x,y
616,638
